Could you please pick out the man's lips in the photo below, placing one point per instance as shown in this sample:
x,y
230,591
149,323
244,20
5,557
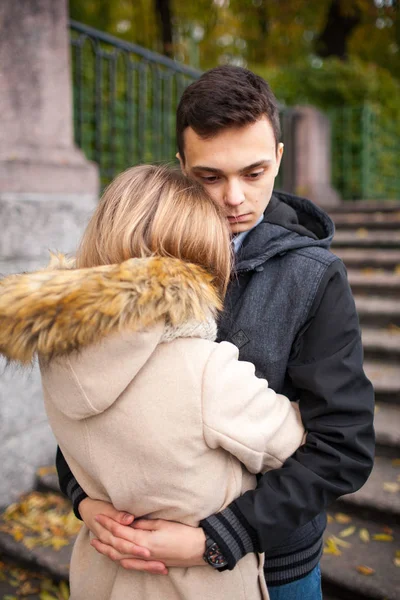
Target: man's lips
x,y
238,218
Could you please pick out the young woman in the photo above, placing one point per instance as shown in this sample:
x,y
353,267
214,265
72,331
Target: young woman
x,y
150,413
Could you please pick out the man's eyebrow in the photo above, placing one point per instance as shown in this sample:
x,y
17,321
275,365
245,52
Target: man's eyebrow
x,y
259,163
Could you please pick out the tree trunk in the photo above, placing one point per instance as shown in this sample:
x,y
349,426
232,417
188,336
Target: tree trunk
x,y
163,9
334,38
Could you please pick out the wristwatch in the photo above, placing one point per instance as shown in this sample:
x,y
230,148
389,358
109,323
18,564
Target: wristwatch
x,y
213,555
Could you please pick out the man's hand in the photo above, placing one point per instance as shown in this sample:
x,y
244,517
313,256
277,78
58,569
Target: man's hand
x,y
107,544
169,544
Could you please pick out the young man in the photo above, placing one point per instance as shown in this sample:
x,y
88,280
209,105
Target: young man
x,y
290,311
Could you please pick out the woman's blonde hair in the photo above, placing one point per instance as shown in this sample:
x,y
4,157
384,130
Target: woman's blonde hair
x,y
154,210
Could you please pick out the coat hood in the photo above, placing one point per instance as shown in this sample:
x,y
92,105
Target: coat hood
x,y
289,223
58,310
94,329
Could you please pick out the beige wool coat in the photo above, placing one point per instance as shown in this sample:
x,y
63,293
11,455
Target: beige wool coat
x,y
150,412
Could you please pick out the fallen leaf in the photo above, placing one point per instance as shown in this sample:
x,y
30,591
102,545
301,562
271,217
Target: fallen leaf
x,y
46,471
330,519
364,535
397,553
383,537
396,462
342,518
391,487
393,328
362,232
397,269
340,542
364,570
396,562
347,532
331,547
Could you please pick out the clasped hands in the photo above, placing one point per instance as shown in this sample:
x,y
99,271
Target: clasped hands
x,y
142,545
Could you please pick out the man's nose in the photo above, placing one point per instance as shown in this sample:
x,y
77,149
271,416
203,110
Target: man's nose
x,y
233,193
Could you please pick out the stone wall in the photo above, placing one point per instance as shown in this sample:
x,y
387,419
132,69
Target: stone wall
x,y
47,191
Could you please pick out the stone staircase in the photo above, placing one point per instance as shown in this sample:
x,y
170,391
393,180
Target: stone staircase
x,y
368,240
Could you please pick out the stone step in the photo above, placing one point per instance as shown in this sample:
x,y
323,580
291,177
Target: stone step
x,y
381,343
364,238
365,206
379,498
375,220
340,575
358,258
378,311
374,282
18,580
44,559
387,426
385,378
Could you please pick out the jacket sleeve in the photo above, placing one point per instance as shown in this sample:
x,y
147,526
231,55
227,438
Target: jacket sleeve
x,y
68,484
337,407
244,416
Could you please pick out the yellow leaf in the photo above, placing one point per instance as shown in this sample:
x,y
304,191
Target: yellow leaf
x,y
347,532
340,542
362,232
342,518
396,461
331,547
46,596
46,471
364,535
330,519
397,553
383,537
57,542
364,570
397,269
391,487
64,589
18,535
396,562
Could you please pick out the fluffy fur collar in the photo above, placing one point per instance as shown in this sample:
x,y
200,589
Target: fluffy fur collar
x,y
57,310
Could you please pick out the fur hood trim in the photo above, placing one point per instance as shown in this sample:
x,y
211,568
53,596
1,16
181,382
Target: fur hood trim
x,y
58,310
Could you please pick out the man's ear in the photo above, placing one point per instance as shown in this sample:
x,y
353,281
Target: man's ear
x,y
279,154
181,162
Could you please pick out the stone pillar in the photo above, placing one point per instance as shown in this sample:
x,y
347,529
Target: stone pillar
x,y
47,191
312,157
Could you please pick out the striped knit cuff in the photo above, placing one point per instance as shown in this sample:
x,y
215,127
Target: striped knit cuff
x,y
287,568
233,534
76,494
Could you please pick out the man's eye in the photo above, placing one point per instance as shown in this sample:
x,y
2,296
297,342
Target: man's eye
x,y
255,174
210,179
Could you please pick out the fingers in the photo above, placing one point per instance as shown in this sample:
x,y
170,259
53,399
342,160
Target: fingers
x,y
120,531
146,524
151,566
107,550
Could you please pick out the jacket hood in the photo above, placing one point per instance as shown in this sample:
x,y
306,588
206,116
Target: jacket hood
x,y
289,223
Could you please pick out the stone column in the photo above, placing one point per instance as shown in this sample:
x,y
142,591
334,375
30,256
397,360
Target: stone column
x,y
47,191
312,158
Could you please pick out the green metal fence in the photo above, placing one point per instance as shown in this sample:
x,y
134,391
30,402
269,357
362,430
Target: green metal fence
x,y
365,154
125,100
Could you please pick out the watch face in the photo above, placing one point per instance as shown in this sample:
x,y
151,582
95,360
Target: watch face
x,y
214,557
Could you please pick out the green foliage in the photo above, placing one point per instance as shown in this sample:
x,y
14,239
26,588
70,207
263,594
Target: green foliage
x,y
363,104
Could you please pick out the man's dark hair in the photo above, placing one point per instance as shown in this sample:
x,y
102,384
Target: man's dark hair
x,y
224,97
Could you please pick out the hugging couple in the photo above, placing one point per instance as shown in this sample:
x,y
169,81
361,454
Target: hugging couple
x,y
200,476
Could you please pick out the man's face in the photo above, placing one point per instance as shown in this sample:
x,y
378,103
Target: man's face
x,y
237,167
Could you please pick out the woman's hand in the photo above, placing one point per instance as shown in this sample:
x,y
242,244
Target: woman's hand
x,y
168,544
107,543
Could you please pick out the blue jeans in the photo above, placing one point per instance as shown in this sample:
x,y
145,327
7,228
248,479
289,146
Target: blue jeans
x,y
308,588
